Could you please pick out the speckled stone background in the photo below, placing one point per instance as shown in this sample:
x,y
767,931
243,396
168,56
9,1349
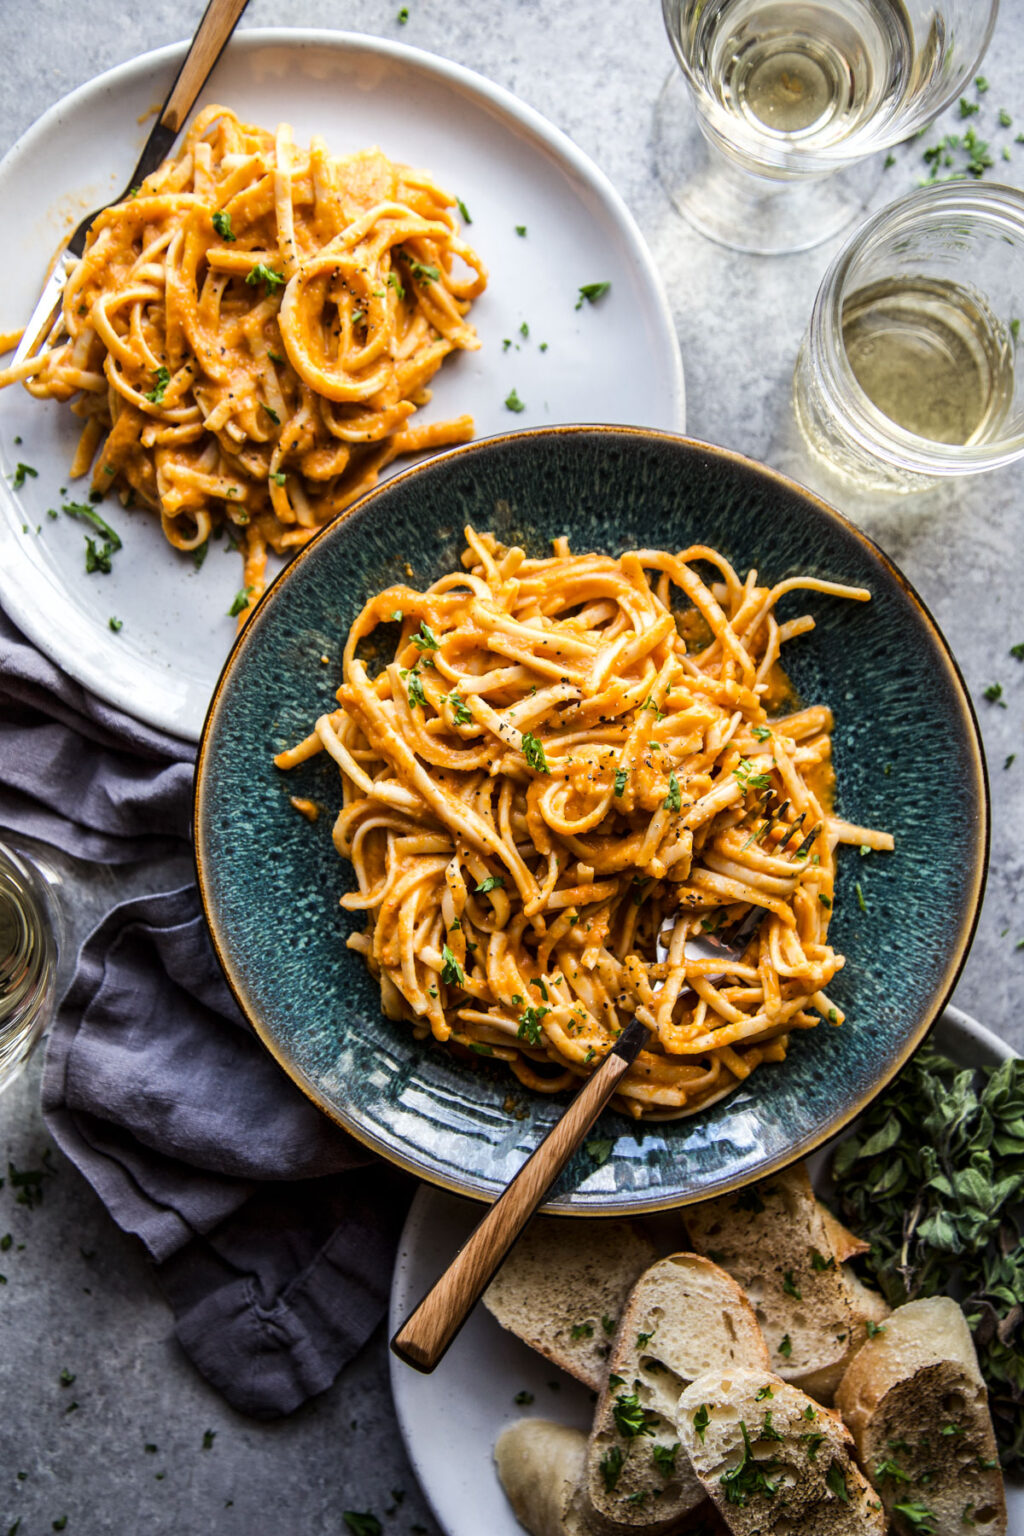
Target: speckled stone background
x,y
78,1295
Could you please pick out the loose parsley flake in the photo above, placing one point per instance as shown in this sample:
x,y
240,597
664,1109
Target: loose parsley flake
x,y
463,211
835,1479
491,883
533,751
664,1457
750,1477
426,640
530,1025
452,973
524,1399
621,779
591,292
599,1152
156,394
461,712
261,273
414,684
994,694
513,402
222,224
610,1467
240,602
631,1419
701,1420
521,231
423,272
785,1346
20,472
209,1436
790,1287
673,800
365,1524
919,1516
581,1331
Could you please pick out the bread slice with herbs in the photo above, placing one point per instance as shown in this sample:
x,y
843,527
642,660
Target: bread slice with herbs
x,y
683,1316
773,1461
916,1403
786,1252
563,1288
541,1466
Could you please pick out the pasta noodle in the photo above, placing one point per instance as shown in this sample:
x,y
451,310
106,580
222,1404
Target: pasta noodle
x,y
252,330
564,753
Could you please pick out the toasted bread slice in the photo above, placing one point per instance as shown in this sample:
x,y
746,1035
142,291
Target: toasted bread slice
x,y
684,1315
772,1460
785,1251
563,1288
541,1466
916,1403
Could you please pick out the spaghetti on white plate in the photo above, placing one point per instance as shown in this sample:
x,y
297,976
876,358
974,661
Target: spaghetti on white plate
x,y
250,332
562,754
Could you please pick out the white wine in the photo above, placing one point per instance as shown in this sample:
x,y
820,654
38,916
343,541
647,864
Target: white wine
x,y
28,962
932,357
808,73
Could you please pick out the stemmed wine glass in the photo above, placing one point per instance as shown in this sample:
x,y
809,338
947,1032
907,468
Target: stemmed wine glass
x,y
30,932
765,134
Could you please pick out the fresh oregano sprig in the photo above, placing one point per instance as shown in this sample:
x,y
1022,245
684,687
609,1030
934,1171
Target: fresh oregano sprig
x,y
934,1178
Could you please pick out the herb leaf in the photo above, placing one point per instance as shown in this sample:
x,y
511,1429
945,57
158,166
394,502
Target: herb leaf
x,y
591,292
533,751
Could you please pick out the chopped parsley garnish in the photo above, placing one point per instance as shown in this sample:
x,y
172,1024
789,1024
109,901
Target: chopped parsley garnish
x,y
599,1152
874,1329
200,553
209,1436
426,640
701,1420
275,418
452,973
414,683
673,800
746,778
261,273
761,732
664,1457
790,1287
533,751
524,330
240,602
423,272
96,558
621,779
66,1377
812,1442
491,883
591,292
820,1263
395,282
785,1346
513,402
364,1524
403,15
358,315
631,1418
763,1392
521,230
750,1477
530,1025
611,1467
279,477
835,1478
463,211
275,357
156,394
20,472
1017,651
581,1331
919,1516
524,1399
608,1324
222,224
860,897
461,711
768,1430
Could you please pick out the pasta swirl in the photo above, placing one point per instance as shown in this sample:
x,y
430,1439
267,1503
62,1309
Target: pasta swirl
x,y
563,753
252,330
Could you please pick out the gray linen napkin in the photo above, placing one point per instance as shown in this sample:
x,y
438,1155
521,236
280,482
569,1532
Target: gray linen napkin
x,y
274,1240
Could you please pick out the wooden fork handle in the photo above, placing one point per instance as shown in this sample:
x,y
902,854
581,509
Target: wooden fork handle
x,y
219,21
423,1339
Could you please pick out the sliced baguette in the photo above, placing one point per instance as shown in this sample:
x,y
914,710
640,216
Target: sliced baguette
x,y
785,1250
541,1466
563,1288
684,1315
800,1479
916,1403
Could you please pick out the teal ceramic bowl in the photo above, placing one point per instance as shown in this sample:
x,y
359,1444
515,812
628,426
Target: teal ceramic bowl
x,y
906,753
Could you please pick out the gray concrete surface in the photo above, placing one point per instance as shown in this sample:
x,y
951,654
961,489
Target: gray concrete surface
x,y
78,1295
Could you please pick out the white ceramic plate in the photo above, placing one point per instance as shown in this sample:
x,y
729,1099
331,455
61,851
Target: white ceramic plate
x,y
450,1420
615,361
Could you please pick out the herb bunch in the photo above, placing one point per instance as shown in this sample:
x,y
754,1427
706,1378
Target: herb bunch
x,y
934,1177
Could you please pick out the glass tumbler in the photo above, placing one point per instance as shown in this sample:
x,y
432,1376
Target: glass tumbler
x,y
29,920
910,370
765,134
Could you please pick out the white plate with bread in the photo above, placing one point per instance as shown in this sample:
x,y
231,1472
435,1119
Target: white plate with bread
x,y
603,1314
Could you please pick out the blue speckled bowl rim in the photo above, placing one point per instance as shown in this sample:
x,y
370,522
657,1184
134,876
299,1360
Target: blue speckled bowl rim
x,y
366,507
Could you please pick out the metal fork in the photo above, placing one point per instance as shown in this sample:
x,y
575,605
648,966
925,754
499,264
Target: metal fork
x,y
731,946
219,21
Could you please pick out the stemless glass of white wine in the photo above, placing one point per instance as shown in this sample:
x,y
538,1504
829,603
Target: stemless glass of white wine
x,y
764,137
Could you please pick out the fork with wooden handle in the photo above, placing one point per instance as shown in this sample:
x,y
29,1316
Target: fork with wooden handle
x,y
43,329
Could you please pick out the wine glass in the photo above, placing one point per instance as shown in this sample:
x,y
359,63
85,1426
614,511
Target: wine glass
x,y
765,135
30,923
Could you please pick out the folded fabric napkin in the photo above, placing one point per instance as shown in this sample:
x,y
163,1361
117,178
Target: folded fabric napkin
x,y
273,1232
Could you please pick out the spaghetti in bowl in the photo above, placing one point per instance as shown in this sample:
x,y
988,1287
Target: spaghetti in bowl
x,y
271,882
